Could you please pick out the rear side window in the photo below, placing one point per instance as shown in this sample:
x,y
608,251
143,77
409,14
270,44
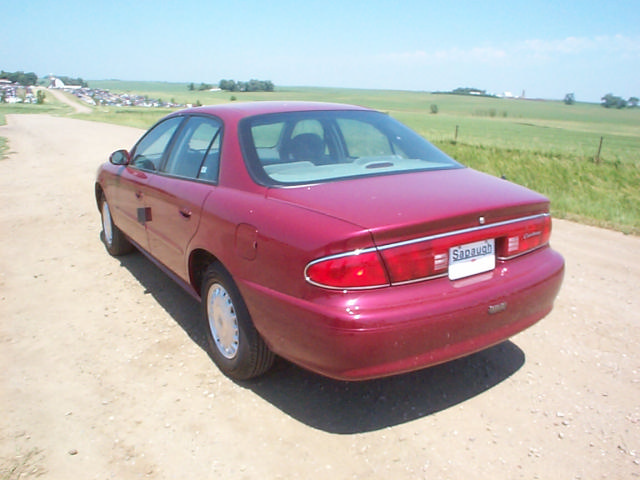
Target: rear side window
x,y
149,152
196,151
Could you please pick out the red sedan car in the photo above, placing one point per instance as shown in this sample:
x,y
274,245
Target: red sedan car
x,y
331,235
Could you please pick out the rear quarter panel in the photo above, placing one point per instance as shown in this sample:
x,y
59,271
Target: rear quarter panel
x,y
287,238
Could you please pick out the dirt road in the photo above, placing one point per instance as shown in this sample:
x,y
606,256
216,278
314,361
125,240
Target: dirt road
x,y
104,373
67,98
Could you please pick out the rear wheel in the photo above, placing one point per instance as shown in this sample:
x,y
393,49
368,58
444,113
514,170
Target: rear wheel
x,y
113,238
235,345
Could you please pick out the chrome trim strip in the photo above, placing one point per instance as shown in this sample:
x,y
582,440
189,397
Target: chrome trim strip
x,y
523,253
341,255
416,280
345,289
463,231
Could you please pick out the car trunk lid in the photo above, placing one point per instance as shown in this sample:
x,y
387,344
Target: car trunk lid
x,y
401,207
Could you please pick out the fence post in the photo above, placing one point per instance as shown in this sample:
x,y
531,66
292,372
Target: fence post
x,y
599,150
455,138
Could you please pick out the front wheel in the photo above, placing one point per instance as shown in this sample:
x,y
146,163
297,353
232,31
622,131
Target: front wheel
x,y
235,345
113,238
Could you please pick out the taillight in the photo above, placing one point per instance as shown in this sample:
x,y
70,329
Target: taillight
x,y
354,270
415,261
427,257
524,237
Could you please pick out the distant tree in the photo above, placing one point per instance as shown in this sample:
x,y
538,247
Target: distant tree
x,y
434,108
40,96
191,87
73,81
569,99
259,86
611,101
254,85
29,79
228,85
607,100
633,102
204,86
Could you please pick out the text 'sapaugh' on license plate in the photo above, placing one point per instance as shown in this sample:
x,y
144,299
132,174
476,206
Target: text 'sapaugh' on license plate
x,y
472,258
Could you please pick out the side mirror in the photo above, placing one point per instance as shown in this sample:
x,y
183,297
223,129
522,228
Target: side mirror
x,y
120,157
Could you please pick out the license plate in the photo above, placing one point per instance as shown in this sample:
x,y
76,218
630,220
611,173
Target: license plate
x,y
472,258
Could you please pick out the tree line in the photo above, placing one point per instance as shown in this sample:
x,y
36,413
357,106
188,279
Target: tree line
x,y
250,86
234,86
612,101
29,79
73,81
608,101
21,78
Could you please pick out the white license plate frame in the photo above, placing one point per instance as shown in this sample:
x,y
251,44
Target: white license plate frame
x,y
472,258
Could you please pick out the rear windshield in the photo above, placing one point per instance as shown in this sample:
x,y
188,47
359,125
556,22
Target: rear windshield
x,y
312,147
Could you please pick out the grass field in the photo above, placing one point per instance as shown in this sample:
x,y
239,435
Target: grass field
x,y
545,145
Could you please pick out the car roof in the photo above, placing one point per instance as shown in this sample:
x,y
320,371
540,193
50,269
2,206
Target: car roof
x,y
239,110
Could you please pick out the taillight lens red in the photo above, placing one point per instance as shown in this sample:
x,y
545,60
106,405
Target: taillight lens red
x,y
357,270
411,262
525,237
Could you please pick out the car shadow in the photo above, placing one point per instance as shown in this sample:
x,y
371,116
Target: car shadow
x,y
337,406
357,407
182,307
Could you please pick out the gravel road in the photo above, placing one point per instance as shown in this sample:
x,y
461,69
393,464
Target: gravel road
x,y
104,373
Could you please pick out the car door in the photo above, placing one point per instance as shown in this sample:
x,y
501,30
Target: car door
x,y
133,181
175,197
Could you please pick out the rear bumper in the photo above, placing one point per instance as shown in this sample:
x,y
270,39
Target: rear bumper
x,y
362,335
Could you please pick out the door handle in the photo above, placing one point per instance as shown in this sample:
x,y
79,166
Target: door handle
x,y
185,212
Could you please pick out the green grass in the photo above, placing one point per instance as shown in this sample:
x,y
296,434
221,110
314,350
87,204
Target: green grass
x,y
606,194
139,117
545,145
51,108
550,132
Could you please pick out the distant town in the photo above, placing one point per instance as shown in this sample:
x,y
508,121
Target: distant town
x,y
12,92
15,92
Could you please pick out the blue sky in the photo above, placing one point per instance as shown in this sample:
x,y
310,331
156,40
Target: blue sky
x,y
545,48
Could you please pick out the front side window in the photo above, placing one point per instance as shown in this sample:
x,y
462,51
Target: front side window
x,y
149,152
310,147
196,151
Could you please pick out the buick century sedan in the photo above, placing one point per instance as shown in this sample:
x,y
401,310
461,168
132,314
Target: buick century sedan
x,y
330,235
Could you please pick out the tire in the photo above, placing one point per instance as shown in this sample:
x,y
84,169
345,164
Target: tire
x,y
113,238
234,343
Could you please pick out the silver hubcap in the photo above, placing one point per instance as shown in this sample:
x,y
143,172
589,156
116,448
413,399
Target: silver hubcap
x,y
106,223
223,322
